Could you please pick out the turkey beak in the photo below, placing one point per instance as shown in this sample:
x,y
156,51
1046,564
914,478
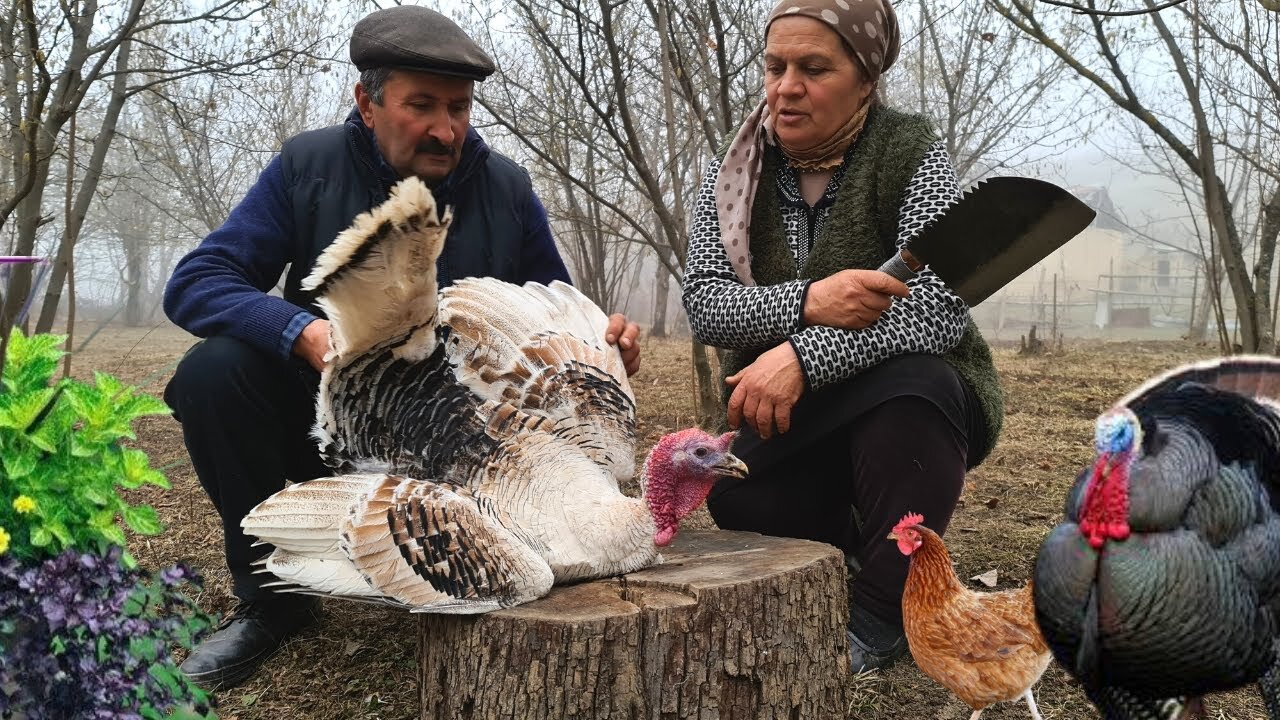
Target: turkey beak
x,y
731,467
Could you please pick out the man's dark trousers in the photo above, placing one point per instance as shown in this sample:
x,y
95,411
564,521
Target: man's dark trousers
x,y
246,419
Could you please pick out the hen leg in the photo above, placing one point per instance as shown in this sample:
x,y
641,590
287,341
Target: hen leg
x,y
975,715
1031,704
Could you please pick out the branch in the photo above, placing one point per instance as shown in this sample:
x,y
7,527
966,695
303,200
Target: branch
x,y
1078,10
35,111
1247,57
565,172
1127,100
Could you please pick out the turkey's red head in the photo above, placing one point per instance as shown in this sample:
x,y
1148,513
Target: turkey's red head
x,y
1105,514
907,533
679,473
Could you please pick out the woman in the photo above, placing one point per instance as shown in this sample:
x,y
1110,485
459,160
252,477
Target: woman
x,y
858,398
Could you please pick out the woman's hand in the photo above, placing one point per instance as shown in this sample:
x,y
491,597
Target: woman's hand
x,y
765,391
851,299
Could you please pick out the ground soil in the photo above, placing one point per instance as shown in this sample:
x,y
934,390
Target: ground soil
x,y
359,663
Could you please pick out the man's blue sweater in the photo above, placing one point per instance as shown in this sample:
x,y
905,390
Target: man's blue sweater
x,y
220,288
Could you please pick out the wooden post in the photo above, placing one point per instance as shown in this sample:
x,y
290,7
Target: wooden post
x,y
1053,334
1000,312
1111,288
1195,291
731,625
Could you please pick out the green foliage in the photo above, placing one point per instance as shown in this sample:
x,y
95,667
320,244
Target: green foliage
x,y
63,466
62,458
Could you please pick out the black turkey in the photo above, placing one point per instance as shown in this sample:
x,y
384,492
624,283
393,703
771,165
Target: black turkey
x,y
1163,582
481,432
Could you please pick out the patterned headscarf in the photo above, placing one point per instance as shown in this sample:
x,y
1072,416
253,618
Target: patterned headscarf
x,y
870,29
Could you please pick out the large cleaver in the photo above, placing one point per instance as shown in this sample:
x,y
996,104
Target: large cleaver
x,y
996,231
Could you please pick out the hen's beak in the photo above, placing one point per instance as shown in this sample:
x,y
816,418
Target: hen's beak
x,y
892,536
731,467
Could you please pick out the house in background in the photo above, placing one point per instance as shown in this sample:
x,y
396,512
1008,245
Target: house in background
x,y
1108,276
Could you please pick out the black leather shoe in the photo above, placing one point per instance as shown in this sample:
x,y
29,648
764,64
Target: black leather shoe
x,y
864,658
253,632
874,643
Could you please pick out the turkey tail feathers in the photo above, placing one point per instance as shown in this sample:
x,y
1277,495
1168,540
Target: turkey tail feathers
x,y
441,548
428,546
377,280
304,518
1253,376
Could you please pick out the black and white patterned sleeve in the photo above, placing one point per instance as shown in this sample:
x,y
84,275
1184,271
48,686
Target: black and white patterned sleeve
x,y
931,320
722,311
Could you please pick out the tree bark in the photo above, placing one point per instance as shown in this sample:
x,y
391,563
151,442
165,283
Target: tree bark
x,y
711,409
662,288
135,277
88,188
1267,235
731,625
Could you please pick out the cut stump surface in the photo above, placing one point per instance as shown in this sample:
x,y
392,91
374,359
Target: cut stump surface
x,y
730,625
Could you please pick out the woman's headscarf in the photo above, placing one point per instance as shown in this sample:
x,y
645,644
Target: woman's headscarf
x,y
870,29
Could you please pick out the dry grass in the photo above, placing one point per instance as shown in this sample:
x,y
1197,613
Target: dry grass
x,y
360,662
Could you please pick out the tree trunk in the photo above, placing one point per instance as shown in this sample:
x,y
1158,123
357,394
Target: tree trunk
x,y
711,410
1267,235
88,188
135,276
662,288
731,625
1203,309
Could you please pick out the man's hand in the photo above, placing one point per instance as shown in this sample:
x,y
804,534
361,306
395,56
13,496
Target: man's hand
x,y
627,337
765,391
851,299
313,343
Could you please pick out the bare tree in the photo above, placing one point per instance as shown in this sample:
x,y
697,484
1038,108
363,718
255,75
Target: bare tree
x,y
1179,114
56,57
1000,99
592,79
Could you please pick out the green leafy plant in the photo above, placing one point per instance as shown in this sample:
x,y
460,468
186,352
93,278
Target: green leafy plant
x,y
84,632
63,461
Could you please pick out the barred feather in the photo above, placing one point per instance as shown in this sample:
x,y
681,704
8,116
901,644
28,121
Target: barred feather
x,y
480,432
1187,603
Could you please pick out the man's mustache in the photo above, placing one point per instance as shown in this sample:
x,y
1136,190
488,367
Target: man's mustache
x,y
435,147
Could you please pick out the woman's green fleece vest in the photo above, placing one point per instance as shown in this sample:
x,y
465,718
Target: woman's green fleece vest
x,y
861,232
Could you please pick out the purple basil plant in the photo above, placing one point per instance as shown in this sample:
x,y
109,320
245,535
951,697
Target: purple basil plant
x,y
82,636
85,634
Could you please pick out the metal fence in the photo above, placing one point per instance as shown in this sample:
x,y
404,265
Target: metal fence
x,y
1116,304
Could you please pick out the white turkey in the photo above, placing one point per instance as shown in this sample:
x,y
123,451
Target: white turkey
x,y
1163,582
481,433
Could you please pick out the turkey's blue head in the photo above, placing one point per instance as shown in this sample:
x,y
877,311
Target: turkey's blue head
x,y
678,475
1105,513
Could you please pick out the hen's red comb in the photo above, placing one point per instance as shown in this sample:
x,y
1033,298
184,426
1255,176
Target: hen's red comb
x,y
908,520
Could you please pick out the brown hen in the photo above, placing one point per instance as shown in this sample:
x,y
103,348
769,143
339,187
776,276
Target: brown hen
x,y
983,646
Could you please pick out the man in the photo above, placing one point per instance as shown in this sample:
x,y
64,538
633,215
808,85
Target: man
x,y
246,394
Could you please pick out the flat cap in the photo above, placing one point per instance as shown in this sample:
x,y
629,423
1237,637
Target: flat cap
x,y
411,37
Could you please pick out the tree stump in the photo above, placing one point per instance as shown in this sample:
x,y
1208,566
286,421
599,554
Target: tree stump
x,y
730,625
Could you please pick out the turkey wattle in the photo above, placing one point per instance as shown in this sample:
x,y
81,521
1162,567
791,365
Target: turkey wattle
x,y
1163,582
481,433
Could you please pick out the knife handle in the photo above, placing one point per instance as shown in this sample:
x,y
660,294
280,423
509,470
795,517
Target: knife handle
x,y
898,267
